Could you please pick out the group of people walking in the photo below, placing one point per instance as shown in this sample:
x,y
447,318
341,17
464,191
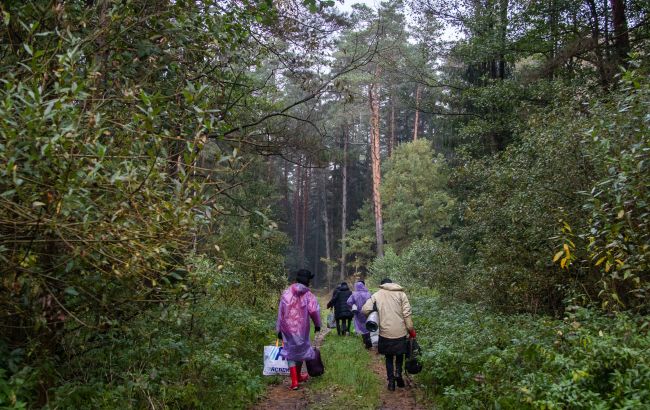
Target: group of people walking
x,y
347,306
298,305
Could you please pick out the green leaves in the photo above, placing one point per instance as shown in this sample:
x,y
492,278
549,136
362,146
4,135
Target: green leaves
x,y
473,356
416,204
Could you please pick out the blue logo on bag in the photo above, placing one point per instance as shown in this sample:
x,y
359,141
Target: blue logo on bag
x,y
275,353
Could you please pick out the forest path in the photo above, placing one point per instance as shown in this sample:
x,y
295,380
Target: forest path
x,y
354,378
280,396
402,398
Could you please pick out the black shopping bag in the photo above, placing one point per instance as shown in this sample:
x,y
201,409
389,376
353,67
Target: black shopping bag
x,y
315,366
413,364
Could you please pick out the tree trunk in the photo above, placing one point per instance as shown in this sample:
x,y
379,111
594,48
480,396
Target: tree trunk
x,y
344,200
391,141
326,222
287,206
320,186
503,26
595,34
373,98
296,207
554,33
621,36
417,113
305,212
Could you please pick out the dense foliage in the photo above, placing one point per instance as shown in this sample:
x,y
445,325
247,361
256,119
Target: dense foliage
x,y
477,359
129,138
163,164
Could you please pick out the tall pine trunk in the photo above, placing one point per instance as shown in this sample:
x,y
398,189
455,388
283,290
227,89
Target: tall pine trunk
x,y
297,207
373,98
320,186
417,113
503,36
305,212
391,140
621,36
595,34
326,222
344,200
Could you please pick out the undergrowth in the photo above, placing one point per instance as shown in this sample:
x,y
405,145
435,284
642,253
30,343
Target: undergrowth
x,y
476,359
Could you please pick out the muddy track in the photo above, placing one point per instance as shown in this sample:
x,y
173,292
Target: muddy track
x,y
280,397
400,399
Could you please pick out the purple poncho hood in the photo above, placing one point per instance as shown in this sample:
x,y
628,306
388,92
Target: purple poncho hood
x,y
297,306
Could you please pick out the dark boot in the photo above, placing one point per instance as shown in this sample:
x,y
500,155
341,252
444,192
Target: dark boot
x,y
367,341
399,380
391,384
301,378
294,378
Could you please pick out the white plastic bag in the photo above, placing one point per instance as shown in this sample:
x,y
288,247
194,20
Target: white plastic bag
x,y
274,363
374,338
331,322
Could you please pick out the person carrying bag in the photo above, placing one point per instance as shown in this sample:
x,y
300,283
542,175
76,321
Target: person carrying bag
x,y
297,306
395,324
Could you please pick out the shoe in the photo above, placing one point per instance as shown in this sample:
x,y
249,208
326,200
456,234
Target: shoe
x,y
301,378
391,385
399,381
293,372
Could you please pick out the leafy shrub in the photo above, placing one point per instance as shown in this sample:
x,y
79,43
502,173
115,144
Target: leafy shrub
x,y
615,240
199,353
575,178
477,359
429,263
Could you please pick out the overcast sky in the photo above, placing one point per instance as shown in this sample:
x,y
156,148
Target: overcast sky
x,y
347,4
448,33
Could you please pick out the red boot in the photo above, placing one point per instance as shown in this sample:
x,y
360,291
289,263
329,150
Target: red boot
x,y
294,378
301,378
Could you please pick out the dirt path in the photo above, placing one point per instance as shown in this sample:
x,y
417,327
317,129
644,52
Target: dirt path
x,y
280,397
400,399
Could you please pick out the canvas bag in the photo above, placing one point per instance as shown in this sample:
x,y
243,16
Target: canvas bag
x,y
274,363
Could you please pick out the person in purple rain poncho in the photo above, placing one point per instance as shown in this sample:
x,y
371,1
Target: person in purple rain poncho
x,y
359,297
297,306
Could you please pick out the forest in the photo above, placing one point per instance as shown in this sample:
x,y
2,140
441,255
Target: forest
x,y
165,165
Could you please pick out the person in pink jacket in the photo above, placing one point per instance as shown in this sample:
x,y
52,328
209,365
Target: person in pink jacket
x,y
297,306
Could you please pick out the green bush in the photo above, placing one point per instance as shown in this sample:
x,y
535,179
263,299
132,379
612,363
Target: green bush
x,y
573,184
477,359
198,353
430,263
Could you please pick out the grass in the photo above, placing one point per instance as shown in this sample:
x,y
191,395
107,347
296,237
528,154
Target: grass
x,y
348,380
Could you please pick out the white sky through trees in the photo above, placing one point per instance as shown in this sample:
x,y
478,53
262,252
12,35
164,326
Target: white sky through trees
x,y
347,4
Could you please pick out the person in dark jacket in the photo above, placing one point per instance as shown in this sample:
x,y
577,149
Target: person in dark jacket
x,y
342,312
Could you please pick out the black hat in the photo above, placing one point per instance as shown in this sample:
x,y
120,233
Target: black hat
x,y
304,276
385,280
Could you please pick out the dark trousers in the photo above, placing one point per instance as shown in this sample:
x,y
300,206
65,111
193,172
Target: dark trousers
x,y
343,325
394,370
